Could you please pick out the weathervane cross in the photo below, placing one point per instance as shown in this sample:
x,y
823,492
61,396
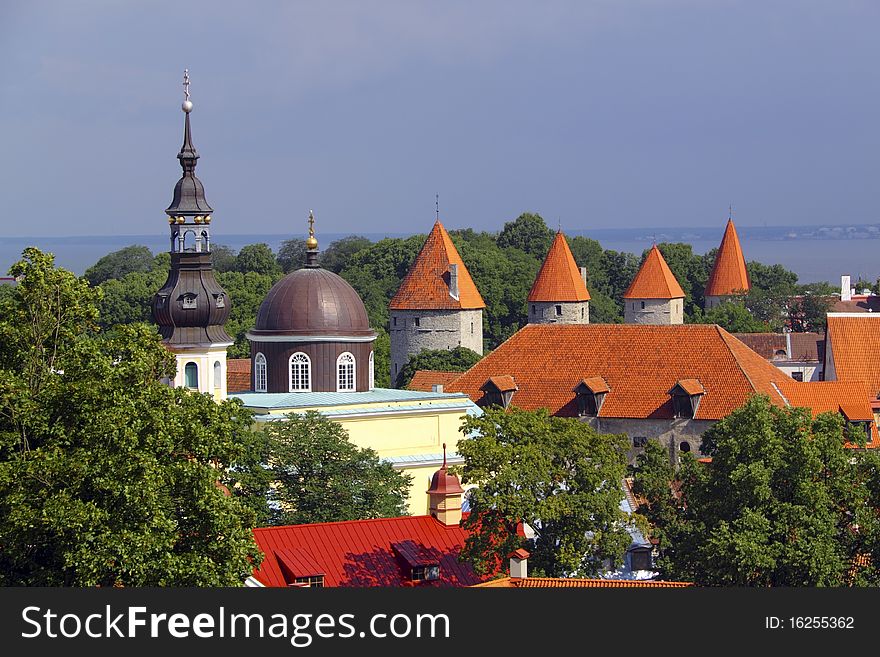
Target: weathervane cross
x,y
186,84
311,224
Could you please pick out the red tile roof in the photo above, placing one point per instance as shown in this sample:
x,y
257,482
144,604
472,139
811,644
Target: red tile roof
x,y
559,278
640,364
691,386
853,349
238,375
424,379
596,384
654,280
426,286
860,303
503,383
567,583
804,346
362,553
729,275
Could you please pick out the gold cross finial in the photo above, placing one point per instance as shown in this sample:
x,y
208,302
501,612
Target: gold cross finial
x,y
311,243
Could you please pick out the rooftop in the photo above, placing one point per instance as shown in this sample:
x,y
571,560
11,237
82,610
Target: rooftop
x,y
377,396
852,346
559,278
729,275
654,280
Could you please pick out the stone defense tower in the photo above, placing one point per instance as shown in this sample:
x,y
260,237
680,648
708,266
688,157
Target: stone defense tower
x,y
654,296
729,277
437,306
191,308
559,294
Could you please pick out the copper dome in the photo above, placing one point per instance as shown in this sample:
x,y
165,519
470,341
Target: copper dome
x,y
312,302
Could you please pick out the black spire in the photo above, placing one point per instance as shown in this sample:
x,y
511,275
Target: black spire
x,y
189,193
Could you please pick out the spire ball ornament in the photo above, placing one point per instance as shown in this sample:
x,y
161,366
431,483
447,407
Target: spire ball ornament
x,y
311,242
187,105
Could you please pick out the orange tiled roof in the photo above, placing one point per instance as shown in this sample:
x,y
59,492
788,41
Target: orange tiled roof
x,y
654,280
852,348
238,375
566,583
424,379
729,275
595,384
503,383
691,386
640,364
426,286
559,278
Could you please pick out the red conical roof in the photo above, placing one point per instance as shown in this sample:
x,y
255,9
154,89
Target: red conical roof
x,y
559,278
654,280
729,275
426,286
443,483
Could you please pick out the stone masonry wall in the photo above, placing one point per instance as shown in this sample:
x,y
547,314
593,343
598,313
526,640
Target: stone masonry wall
x,y
572,312
671,434
414,330
655,311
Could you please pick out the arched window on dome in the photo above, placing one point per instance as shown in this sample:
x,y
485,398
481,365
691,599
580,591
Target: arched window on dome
x,y
260,373
191,376
300,372
372,372
345,372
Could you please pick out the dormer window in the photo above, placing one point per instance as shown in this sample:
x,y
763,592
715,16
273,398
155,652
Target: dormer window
x,y
858,422
498,390
686,395
187,301
420,563
590,395
220,300
299,568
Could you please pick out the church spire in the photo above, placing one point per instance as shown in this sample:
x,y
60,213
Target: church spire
x,y
189,193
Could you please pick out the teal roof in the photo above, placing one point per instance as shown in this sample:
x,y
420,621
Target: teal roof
x,y
386,396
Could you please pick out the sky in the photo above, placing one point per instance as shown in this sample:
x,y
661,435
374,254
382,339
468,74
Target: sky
x,y
593,113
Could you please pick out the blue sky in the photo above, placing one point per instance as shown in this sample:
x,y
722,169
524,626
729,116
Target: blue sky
x,y
613,113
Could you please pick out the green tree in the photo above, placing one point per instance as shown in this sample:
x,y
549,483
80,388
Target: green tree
x,y
809,310
134,258
223,258
318,475
128,300
732,316
247,292
558,476
528,233
782,503
107,476
257,258
336,256
459,359
291,255
382,359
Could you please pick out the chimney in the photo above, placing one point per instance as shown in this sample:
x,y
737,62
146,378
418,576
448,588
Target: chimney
x,y
436,387
788,345
845,290
519,565
584,274
453,281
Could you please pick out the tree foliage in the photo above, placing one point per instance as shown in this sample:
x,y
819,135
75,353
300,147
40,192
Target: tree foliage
x,y
257,258
318,475
782,503
291,255
528,233
558,476
459,359
107,476
134,258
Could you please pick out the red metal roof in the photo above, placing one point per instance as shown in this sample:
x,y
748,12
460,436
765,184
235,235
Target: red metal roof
x,y
568,583
559,278
359,552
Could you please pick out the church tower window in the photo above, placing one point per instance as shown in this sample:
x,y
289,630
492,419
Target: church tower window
x,y
300,372
345,373
191,376
260,378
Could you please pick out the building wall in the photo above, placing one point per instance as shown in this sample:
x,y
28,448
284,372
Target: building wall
x,y
653,311
559,312
812,371
436,329
323,356
204,358
669,433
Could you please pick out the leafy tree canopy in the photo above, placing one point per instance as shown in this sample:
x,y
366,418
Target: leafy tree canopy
x,y
107,476
459,359
257,258
335,257
557,475
733,316
291,255
782,503
318,475
134,258
528,233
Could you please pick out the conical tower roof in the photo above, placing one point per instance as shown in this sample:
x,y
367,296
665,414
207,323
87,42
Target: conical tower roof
x,y
427,284
729,275
559,278
654,280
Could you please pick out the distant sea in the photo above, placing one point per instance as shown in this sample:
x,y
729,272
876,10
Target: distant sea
x,y
814,253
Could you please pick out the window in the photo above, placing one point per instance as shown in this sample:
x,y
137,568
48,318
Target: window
x,y
684,446
427,573
797,376
188,301
221,300
417,321
345,374
533,309
394,321
191,376
472,328
582,313
558,310
260,373
643,305
218,373
300,372
640,441
640,559
372,372
315,582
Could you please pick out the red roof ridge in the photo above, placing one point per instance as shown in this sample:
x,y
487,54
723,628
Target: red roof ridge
x,y
426,284
360,522
654,280
559,278
729,274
